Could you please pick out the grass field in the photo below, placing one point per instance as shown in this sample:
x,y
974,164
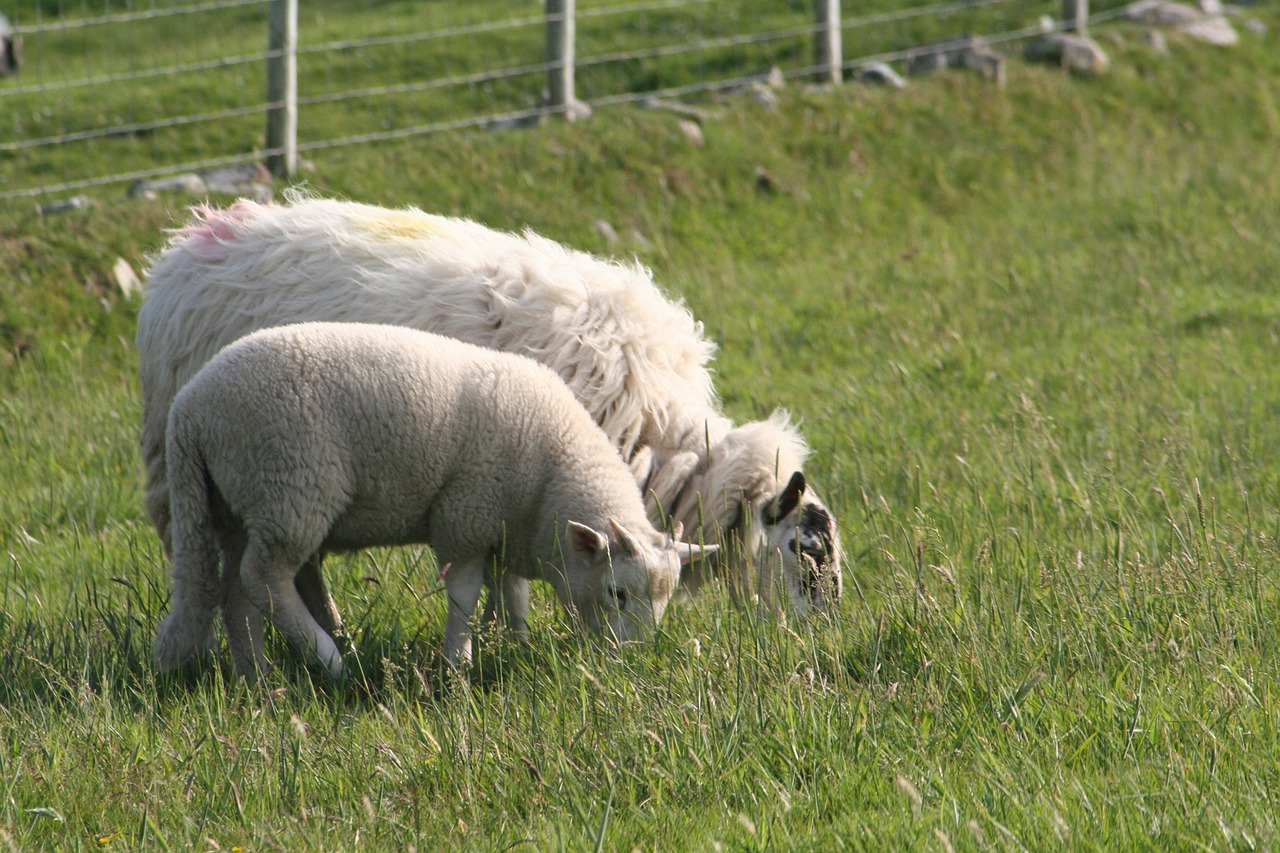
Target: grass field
x,y
1031,336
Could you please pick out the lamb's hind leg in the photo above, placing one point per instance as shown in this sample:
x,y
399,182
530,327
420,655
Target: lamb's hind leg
x,y
241,618
267,576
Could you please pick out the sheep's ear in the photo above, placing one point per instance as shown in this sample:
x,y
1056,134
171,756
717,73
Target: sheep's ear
x,y
787,501
677,530
690,553
629,546
591,545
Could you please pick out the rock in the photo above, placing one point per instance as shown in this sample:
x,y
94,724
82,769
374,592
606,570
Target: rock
x,y
1256,27
243,179
260,193
698,115
1162,13
775,79
126,279
692,131
926,63
765,182
607,231
969,52
1206,22
63,205
764,96
513,122
1215,30
187,183
879,74
1074,53
1156,39
235,178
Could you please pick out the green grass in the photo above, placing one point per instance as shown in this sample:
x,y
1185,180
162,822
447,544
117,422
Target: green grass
x,y
1030,334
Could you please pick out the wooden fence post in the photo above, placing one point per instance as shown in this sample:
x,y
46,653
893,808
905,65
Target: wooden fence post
x,y
827,50
1075,14
282,88
560,38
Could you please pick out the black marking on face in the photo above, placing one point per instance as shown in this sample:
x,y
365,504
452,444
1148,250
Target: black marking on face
x,y
814,547
817,529
619,596
788,500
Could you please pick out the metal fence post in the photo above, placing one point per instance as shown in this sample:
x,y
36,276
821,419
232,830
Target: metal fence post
x,y
826,40
560,37
282,88
1075,14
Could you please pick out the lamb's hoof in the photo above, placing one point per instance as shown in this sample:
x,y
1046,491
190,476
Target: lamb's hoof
x,y
171,650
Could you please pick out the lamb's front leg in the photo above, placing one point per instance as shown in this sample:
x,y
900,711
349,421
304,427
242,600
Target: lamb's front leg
x,y
462,584
320,603
509,601
515,604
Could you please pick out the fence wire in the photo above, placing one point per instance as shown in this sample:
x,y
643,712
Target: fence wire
x,y
115,94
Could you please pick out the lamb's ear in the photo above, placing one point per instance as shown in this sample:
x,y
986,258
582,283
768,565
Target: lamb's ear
x,y
677,530
690,553
629,546
589,544
787,501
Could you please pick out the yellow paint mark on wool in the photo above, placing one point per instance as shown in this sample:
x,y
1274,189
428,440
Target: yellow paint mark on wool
x,y
404,225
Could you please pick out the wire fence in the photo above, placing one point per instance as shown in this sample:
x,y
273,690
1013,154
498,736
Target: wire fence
x,y
122,91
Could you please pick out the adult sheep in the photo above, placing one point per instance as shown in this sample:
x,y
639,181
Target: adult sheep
x,y
322,436
635,359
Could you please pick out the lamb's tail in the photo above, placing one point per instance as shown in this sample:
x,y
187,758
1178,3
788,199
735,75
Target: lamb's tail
x,y
196,586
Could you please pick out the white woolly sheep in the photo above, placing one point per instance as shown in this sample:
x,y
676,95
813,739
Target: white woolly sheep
x,y
324,436
634,358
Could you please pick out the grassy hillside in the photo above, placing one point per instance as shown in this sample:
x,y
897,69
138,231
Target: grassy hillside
x,y
1030,334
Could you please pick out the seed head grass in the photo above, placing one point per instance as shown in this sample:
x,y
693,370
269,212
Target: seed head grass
x,y
1030,335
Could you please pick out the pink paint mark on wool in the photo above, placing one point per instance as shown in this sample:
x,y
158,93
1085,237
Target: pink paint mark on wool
x,y
213,229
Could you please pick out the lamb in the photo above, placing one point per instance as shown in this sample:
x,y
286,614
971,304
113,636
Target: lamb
x,y
323,436
634,358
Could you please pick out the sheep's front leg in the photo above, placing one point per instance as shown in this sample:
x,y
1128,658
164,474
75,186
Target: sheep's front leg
x,y
188,627
311,586
462,586
268,579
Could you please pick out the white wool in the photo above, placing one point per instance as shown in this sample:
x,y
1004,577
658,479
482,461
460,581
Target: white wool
x,y
634,357
320,436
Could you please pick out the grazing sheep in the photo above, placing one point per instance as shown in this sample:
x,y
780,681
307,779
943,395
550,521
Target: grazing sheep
x,y
324,436
635,359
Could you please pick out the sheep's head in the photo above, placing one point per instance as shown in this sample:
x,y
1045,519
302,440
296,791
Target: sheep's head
x,y
797,535
629,577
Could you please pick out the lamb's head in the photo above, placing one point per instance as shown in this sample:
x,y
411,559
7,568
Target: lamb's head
x,y
622,579
799,535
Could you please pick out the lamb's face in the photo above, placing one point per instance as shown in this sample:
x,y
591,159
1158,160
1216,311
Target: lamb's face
x,y
797,539
626,580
